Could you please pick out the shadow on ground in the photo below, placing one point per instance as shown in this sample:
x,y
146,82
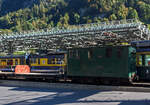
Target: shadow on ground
x,y
68,96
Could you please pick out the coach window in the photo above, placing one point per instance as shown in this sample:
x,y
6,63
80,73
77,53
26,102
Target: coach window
x,y
147,60
0,62
33,60
3,62
10,62
22,61
53,61
39,61
108,52
141,60
43,61
16,61
49,61
59,61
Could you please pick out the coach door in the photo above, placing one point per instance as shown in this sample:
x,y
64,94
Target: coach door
x,y
143,65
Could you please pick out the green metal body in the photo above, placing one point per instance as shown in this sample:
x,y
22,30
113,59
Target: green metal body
x,y
109,61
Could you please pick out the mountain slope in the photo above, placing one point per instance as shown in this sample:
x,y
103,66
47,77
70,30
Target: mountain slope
x,y
7,6
23,15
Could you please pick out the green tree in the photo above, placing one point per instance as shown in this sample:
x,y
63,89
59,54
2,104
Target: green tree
x,y
63,21
96,20
77,18
112,17
132,14
122,12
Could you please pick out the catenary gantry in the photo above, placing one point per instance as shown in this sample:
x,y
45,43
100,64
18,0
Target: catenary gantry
x,y
83,35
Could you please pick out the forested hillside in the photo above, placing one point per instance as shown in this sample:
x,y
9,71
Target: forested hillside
x,y
23,15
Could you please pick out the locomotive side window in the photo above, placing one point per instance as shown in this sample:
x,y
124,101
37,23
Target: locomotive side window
x,y
90,54
119,52
72,53
77,54
108,52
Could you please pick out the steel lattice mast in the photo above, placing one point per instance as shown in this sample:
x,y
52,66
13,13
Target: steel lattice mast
x,y
84,35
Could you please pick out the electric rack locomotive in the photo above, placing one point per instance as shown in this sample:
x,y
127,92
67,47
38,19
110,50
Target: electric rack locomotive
x,y
108,64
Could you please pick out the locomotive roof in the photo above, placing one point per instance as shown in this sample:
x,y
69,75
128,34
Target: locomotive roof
x,y
113,46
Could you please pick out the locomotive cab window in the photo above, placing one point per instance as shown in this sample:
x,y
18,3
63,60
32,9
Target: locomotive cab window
x,y
73,53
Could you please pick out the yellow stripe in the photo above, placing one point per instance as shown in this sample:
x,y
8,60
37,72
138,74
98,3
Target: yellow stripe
x,y
49,65
139,53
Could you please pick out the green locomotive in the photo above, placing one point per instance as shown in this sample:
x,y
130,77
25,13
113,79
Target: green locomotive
x,y
102,64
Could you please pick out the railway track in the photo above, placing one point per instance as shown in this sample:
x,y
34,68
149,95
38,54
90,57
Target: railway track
x,y
137,87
